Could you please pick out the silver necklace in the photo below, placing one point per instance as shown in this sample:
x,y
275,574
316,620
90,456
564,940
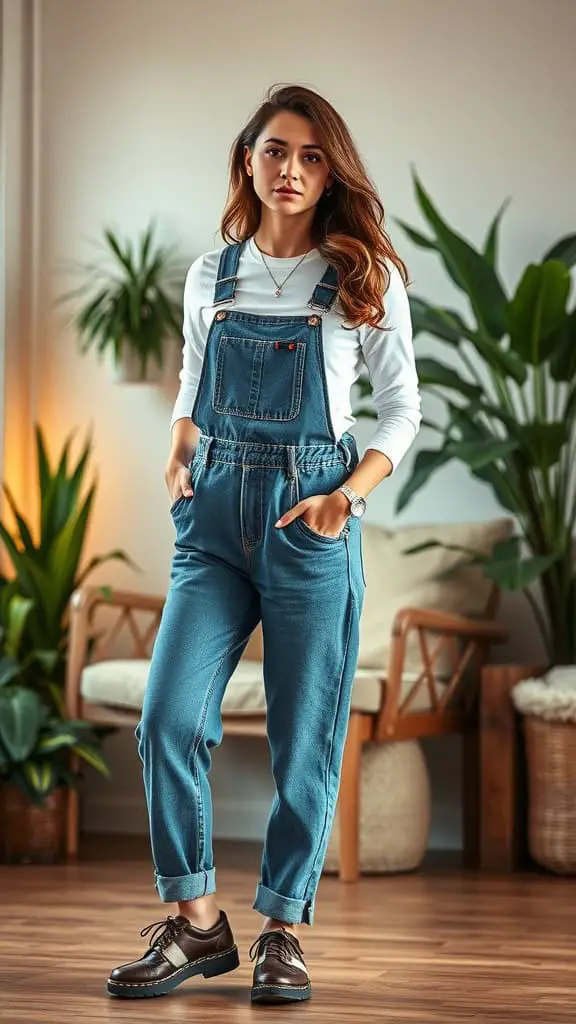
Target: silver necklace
x,y
279,286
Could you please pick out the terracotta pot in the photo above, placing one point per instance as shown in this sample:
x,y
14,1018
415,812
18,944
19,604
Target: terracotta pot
x,y
30,834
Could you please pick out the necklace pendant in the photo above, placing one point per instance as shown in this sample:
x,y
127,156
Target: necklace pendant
x,y
278,292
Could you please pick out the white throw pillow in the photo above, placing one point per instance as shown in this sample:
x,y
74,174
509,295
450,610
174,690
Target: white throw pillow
x,y
395,580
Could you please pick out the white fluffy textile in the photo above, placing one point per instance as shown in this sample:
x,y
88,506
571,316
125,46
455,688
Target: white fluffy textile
x,y
552,697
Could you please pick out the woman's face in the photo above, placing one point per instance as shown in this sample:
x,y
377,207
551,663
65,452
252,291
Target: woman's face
x,y
287,155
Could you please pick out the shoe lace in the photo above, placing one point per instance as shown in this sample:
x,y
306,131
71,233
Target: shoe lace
x,y
166,930
276,942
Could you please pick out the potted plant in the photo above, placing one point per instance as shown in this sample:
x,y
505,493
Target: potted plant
x,y
132,306
34,745
508,397
47,566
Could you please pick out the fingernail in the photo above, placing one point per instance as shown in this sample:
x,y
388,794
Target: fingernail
x,y
278,523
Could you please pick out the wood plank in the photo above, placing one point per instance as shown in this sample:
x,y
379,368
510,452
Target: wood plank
x,y
442,945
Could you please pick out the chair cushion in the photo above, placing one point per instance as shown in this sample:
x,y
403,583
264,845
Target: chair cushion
x,y
395,580
122,684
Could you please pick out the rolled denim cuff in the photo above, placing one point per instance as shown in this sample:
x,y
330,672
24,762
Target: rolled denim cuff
x,y
174,888
283,908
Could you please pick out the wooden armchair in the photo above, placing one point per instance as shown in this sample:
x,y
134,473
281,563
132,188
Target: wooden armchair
x,y
425,705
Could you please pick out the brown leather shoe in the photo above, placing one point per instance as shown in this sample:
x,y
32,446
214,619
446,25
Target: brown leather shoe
x,y
178,951
280,973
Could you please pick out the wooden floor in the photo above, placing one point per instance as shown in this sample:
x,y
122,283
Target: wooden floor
x,y
441,945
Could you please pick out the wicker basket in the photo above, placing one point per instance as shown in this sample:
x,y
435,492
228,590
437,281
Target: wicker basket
x,y
551,753
30,834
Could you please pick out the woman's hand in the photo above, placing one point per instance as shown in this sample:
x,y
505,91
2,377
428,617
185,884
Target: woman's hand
x,y
178,479
324,513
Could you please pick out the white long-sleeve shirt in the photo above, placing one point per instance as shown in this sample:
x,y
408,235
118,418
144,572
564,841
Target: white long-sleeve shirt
x,y
387,355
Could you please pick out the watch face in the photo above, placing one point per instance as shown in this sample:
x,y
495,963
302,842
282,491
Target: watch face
x,y
358,507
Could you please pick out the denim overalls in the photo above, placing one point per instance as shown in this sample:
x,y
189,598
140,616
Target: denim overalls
x,y
266,443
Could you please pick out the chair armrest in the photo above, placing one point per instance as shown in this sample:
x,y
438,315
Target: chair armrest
x,y
448,624
448,628
83,604
86,598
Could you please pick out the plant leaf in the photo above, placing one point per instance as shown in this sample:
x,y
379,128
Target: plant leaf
x,y
506,567
538,310
441,323
116,555
415,236
19,609
432,372
21,716
428,545
469,270
478,454
564,250
91,755
544,441
41,776
425,465
25,534
563,359
48,744
10,669
491,243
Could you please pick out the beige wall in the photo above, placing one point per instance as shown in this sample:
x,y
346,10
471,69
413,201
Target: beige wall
x,y
139,103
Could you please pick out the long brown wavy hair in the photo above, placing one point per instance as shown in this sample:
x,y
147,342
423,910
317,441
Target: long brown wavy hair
x,y
348,226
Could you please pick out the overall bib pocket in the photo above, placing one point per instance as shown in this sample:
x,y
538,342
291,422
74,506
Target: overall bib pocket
x,y
259,379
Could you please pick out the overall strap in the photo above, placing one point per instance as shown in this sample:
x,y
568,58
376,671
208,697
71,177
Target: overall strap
x,y
225,287
326,291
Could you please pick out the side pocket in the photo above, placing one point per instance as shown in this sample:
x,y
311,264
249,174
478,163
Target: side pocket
x,y
194,467
175,504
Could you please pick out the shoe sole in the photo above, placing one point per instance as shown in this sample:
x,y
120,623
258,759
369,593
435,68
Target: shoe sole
x,y
280,993
209,967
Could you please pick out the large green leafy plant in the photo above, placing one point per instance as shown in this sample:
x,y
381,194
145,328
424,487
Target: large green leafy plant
x,y
34,740
132,303
508,395
48,563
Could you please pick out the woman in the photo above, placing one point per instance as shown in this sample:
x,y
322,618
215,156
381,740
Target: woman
x,y
268,493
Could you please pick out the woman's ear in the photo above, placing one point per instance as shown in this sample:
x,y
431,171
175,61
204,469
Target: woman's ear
x,y
248,161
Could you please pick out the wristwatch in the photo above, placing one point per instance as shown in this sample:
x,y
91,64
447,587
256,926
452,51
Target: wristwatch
x,y
357,503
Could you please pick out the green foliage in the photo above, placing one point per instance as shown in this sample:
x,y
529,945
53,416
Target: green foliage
x,y
135,304
509,397
48,566
34,741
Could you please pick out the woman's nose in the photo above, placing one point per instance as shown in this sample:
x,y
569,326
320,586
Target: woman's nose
x,y
290,169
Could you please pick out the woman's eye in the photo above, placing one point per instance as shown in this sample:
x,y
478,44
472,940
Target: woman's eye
x,y
273,151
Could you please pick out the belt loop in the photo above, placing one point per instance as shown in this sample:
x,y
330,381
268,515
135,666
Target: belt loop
x,y
208,446
347,453
291,462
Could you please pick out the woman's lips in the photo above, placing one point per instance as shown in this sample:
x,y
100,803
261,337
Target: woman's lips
x,y
287,192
